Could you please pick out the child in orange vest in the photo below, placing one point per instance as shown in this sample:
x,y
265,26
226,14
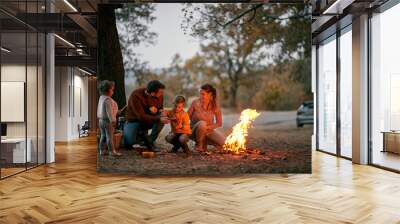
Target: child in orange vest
x,y
180,126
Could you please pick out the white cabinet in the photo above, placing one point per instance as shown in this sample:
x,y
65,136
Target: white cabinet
x,y
17,147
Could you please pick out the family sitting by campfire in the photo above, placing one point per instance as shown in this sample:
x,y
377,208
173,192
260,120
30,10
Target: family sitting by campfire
x,y
145,111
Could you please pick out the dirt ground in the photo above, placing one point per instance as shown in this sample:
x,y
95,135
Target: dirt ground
x,y
284,149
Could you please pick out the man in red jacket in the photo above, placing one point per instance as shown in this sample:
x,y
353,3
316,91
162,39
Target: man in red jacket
x,y
143,112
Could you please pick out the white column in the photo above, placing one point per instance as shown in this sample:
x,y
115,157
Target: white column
x,y
50,93
360,90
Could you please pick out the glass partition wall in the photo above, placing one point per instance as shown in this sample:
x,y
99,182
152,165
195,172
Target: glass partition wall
x,y
22,78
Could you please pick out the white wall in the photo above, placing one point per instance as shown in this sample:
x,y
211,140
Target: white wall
x,y
61,103
80,102
14,73
71,102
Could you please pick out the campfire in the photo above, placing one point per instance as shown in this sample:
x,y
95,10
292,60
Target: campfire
x,y
236,142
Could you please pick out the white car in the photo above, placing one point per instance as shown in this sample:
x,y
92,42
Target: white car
x,y
305,114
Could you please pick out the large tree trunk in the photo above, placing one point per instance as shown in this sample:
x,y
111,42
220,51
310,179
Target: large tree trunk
x,y
110,62
233,93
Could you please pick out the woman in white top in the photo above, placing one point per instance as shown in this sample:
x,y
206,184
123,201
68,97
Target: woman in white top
x,y
107,114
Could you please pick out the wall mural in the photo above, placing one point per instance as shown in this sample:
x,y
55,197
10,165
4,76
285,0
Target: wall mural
x,y
204,89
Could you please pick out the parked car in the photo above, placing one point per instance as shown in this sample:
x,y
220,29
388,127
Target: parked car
x,y
305,114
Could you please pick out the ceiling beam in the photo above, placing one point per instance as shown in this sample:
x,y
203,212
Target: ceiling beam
x,y
81,61
75,14
48,22
85,25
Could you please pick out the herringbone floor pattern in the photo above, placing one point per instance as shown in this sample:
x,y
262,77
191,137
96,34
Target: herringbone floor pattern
x,y
70,191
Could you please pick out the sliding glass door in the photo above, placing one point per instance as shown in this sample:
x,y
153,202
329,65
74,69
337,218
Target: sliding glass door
x,y
334,94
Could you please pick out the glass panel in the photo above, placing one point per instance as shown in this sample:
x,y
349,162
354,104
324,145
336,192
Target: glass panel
x,y
13,79
346,94
327,96
23,82
14,5
31,98
385,84
41,99
16,8
38,87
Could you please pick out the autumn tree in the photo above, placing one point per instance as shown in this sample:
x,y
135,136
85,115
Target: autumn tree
x,y
133,22
270,34
233,52
293,34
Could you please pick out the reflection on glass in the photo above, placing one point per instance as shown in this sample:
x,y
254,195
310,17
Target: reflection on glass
x,y
14,151
394,102
327,96
40,99
31,97
346,94
22,90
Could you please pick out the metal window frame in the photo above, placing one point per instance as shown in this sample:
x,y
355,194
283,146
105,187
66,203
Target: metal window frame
x,y
340,31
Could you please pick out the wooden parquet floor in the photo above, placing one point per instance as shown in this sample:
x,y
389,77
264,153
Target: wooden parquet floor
x,y
70,191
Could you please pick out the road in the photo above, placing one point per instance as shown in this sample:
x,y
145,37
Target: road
x,y
267,120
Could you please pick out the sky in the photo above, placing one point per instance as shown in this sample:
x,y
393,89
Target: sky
x,y
170,39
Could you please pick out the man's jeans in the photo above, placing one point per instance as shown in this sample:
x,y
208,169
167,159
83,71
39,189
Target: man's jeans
x,y
134,132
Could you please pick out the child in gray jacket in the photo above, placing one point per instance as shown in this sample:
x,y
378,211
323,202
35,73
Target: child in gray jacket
x,y
107,114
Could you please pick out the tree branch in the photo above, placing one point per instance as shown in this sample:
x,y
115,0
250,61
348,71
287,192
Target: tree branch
x,y
254,9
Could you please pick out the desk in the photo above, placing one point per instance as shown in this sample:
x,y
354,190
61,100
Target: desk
x,y
13,150
391,141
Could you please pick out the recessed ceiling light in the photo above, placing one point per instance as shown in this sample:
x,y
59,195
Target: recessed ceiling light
x,y
338,6
5,50
70,5
84,71
64,40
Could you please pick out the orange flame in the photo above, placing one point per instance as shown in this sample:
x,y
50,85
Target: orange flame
x,y
236,141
